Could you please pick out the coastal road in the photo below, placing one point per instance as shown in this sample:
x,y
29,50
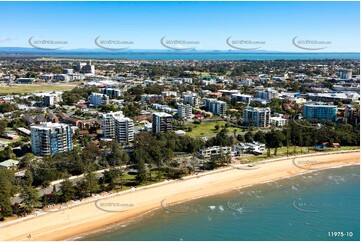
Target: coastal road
x,y
57,184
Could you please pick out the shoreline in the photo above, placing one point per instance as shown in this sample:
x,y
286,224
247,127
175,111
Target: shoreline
x,y
81,219
130,220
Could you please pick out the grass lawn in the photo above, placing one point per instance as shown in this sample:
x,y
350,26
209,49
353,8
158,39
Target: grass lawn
x,y
31,88
207,129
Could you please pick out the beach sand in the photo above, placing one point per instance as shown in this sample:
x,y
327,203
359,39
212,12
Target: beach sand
x,y
71,222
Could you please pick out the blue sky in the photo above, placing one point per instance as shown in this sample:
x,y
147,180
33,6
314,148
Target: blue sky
x,y
209,23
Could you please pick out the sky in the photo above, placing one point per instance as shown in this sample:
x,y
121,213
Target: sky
x,y
207,25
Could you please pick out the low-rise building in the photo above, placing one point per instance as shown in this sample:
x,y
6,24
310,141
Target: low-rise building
x,y
250,148
278,121
9,164
25,80
242,98
214,150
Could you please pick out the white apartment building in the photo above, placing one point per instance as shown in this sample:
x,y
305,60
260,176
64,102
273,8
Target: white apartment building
x,y
259,117
108,123
268,94
191,98
185,111
117,126
124,130
51,99
345,73
247,82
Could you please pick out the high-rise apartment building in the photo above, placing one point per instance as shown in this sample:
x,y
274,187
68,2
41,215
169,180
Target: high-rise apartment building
x,y
162,122
118,127
259,117
50,138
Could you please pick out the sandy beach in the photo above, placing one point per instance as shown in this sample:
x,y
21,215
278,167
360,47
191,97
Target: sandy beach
x,y
71,222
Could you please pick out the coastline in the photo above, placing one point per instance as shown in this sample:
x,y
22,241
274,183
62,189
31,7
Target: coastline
x,y
74,221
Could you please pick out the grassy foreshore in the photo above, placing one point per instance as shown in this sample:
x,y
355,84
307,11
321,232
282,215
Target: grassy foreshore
x,y
89,216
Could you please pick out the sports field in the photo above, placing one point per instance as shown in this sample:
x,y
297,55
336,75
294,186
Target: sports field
x,y
31,88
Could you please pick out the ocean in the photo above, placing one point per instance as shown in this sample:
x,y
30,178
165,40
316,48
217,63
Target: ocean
x,y
323,205
179,55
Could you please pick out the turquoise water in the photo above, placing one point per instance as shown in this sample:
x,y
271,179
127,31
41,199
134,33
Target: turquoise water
x,y
305,207
179,55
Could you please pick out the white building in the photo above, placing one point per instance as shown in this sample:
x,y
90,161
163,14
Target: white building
x,y
345,73
247,82
278,121
98,99
268,94
46,77
214,150
50,138
191,98
124,130
169,94
209,82
250,148
88,68
116,126
185,111
51,99
259,117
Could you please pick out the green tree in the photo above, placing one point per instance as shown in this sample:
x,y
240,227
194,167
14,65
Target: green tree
x,y
260,137
30,197
117,156
67,191
26,160
3,125
142,173
7,190
88,185
248,136
7,153
274,139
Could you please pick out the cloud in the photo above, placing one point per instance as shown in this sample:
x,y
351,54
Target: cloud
x,y
4,39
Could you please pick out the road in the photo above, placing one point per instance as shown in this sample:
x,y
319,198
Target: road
x,y
57,184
